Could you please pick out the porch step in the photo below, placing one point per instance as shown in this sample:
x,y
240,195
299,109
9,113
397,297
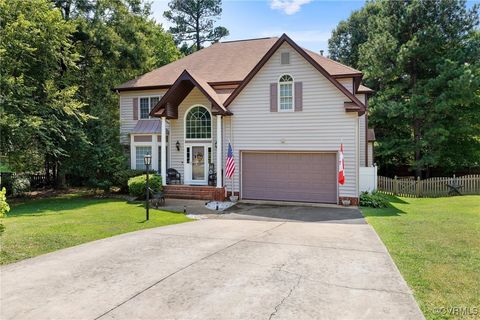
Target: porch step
x,y
194,192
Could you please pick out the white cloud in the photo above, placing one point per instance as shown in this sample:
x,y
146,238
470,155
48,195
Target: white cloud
x,y
304,36
288,6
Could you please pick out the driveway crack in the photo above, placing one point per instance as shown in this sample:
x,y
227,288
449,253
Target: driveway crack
x,y
179,270
277,307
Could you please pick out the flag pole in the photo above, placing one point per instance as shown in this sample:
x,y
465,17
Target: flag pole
x,y
233,155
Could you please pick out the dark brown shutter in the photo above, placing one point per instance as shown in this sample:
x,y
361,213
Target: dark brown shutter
x,y
273,97
298,96
135,108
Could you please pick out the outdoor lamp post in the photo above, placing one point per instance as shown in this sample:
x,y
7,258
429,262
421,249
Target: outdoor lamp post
x,y
147,159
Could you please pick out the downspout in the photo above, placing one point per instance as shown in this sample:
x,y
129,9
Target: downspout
x,y
366,130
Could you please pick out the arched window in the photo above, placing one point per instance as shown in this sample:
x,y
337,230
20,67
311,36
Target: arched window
x,y
285,96
198,124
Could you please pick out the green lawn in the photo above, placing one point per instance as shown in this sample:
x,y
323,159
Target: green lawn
x,y
39,226
436,245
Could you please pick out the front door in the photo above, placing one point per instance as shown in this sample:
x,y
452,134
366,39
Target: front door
x,y
196,164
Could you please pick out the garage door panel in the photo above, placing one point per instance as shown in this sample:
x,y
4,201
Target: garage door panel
x,y
308,177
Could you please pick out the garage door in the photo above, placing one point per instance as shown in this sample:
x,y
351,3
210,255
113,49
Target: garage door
x,y
308,177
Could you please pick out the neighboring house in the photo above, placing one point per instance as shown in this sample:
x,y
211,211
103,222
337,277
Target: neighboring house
x,y
284,109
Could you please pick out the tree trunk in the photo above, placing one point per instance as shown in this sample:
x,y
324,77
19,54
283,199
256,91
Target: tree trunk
x,y
418,150
61,180
197,32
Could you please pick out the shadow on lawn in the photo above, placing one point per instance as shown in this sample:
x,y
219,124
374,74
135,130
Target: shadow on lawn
x,y
390,211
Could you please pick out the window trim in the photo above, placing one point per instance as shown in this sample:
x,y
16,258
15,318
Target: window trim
x,y
279,96
150,107
185,124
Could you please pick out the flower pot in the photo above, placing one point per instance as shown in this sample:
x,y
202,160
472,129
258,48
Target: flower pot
x,y
345,202
234,198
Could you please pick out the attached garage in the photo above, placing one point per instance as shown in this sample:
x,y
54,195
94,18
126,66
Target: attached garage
x,y
289,176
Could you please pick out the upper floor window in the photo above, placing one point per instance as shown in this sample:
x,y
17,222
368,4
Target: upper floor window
x,y
285,96
198,123
146,105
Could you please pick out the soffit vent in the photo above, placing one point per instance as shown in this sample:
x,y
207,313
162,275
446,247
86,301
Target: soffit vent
x,y
285,58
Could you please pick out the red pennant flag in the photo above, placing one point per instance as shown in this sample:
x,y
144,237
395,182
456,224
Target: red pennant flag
x,y
341,166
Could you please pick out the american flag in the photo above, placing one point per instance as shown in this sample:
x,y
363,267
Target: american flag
x,y
230,164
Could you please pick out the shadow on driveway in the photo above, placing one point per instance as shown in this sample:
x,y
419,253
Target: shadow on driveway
x,y
303,213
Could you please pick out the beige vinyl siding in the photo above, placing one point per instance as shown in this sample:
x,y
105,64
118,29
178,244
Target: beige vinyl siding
x,y
361,133
347,83
370,154
177,129
321,126
126,111
362,140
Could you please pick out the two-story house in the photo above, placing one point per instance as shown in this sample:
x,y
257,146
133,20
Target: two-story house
x,y
285,111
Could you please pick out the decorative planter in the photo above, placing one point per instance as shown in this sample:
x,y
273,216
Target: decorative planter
x,y
234,198
345,202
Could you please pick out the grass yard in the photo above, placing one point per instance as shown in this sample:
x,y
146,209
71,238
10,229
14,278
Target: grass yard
x,y
39,226
436,245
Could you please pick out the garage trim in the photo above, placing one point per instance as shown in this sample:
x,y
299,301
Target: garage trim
x,y
241,152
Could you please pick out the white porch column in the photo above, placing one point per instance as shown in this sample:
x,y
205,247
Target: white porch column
x,y
163,155
219,151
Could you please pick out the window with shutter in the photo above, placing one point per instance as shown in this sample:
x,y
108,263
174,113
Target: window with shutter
x,y
285,93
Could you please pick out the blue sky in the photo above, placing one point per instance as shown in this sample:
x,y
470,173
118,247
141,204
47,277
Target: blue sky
x,y
307,22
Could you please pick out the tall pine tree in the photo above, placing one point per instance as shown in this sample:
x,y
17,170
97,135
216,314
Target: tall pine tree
x,y
422,58
194,22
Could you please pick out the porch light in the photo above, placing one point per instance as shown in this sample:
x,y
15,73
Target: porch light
x,y
178,145
147,159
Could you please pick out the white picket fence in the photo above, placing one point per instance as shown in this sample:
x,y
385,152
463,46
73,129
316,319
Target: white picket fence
x,y
431,187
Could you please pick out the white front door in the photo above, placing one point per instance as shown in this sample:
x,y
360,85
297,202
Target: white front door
x,y
197,159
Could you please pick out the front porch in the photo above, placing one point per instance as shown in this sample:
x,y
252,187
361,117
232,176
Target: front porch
x,y
195,144
183,191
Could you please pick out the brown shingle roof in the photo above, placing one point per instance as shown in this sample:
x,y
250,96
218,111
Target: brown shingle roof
x,y
333,67
221,62
224,62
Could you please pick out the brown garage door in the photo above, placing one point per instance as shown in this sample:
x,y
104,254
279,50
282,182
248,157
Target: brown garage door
x,y
308,177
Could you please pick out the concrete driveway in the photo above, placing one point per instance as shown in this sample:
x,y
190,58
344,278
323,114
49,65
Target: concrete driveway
x,y
215,269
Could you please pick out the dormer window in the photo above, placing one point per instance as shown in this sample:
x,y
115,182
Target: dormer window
x,y
285,93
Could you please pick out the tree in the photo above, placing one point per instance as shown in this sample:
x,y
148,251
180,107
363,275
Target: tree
x,y
41,114
347,37
422,58
59,61
116,41
194,22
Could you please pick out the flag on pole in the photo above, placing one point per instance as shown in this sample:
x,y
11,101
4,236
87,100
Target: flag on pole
x,y
230,164
341,166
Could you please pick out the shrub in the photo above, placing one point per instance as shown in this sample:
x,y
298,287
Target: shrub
x,y
373,200
137,185
121,177
4,207
20,185
105,185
